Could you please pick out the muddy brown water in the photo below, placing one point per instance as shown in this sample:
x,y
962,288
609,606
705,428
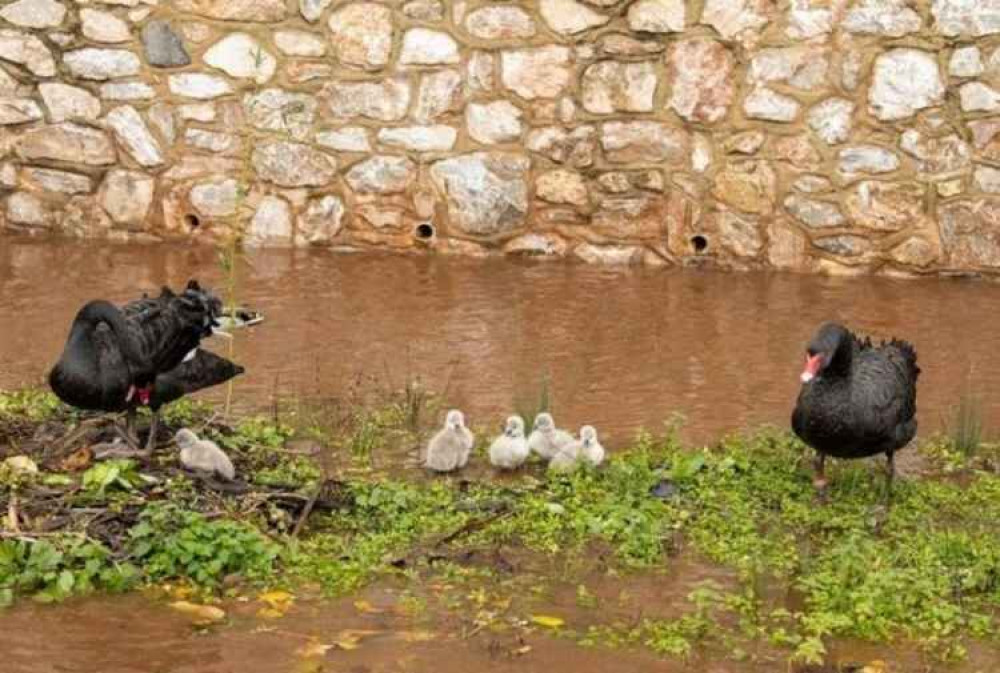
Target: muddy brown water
x,y
622,349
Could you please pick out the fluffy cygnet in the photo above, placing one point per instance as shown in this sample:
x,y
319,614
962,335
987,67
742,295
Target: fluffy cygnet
x,y
203,455
590,449
449,449
585,449
546,439
510,450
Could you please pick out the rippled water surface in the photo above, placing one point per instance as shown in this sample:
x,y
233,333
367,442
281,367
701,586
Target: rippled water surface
x,y
622,349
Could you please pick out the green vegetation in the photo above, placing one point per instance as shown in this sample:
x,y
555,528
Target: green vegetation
x,y
56,568
966,428
529,406
793,575
172,543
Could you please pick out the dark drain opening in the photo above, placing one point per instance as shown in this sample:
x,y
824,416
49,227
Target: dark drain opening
x,y
699,243
424,231
192,221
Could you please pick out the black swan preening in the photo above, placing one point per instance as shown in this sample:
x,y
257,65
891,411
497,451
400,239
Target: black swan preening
x,y
857,399
113,356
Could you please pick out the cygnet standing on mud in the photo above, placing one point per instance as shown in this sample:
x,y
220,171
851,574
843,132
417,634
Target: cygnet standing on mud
x,y
546,439
203,455
510,450
449,449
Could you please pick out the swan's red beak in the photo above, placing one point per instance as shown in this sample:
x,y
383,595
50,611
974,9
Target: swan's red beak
x,y
813,363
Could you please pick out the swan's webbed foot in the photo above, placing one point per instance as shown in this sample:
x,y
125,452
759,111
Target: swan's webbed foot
x,y
131,448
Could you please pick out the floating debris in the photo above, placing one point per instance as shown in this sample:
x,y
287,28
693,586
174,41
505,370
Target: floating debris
x,y
201,615
238,318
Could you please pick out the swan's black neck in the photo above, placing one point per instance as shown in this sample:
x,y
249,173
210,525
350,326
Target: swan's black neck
x,y
843,358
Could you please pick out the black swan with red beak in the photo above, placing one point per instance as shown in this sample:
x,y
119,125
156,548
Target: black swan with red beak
x,y
113,356
857,399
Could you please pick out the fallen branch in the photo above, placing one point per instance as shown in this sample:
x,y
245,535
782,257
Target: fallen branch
x,y
307,510
465,529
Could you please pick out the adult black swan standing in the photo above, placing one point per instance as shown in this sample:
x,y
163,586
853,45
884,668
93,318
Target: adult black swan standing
x,y
857,399
200,369
113,356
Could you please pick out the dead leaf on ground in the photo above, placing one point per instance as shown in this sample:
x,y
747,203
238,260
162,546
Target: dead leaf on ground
x,y
77,461
350,639
201,615
277,602
365,606
314,649
179,592
416,636
875,666
548,621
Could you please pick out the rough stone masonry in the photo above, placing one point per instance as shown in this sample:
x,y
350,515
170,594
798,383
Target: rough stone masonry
x,y
839,136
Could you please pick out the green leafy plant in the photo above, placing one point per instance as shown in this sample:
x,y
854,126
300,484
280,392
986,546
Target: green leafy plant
x,y
59,567
29,404
110,474
170,542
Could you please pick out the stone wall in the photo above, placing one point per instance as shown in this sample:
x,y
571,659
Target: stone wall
x,y
829,135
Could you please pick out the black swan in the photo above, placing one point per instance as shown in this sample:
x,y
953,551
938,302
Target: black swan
x,y
114,355
857,399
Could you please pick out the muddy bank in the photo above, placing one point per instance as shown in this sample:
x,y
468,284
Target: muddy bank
x,y
667,558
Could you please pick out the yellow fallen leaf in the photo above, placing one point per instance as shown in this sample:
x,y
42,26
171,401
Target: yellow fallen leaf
x,y
522,650
548,621
314,648
201,615
277,602
351,638
365,606
270,613
875,666
416,636
277,599
179,593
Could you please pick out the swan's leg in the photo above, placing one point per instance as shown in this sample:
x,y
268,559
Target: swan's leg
x,y
128,433
890,473
154,425
819,481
